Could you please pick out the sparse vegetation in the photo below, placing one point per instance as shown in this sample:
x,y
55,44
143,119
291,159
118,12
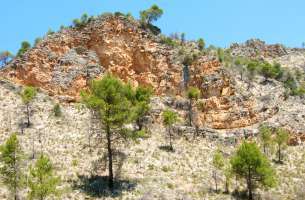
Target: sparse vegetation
x,y
120,115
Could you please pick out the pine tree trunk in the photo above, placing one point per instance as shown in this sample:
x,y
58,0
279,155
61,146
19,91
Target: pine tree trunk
x,y
190,113
215,180
170,139
227,187
138,121
249,185
109,148
28,115
279,153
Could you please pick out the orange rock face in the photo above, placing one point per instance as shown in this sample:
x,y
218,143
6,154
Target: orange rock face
x,y
65,62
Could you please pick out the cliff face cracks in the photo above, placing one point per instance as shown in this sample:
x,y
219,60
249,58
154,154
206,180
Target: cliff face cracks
x,y
63,63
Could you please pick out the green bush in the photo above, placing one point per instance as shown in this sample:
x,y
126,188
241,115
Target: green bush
x,y
169,41
25,46
201,44
84,19
271,71
220,54
57,110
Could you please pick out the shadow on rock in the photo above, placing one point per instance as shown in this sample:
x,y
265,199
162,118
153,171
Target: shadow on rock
x,y
97,186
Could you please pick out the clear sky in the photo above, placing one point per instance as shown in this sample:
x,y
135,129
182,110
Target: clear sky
x,y
219,22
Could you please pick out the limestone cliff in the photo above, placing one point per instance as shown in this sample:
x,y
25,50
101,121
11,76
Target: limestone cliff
x,y
63,64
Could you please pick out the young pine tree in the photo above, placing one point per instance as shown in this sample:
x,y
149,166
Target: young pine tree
x,y
265,136
42,181
169,119
228,176
252,165
114,101
192,94
150,15
27,95
57,110
218,163
10,158
142,99
25,46
281,139
201,44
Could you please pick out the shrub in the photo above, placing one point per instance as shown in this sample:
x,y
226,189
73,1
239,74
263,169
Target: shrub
x,y
57,110
201,44
169,41
37,41
25,46
271,71
84,19
220,54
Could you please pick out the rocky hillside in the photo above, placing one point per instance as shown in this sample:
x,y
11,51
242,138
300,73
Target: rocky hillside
x,y
231,108
64,63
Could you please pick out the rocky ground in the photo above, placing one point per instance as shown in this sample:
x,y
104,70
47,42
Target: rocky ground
x,y
231,107
144,169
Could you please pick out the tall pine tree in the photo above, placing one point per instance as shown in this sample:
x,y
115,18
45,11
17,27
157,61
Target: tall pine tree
x,y
114,101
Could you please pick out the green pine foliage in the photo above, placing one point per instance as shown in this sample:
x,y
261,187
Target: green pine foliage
x,y
169,119
114,101
252,165
84,19
10,169
142,100
57,110
42,181
192,94
27,95
281,139
147,17
218,163
201,44
25,46
150,15
265,136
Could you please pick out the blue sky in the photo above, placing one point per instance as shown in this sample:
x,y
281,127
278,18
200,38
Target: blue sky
x,y
219,22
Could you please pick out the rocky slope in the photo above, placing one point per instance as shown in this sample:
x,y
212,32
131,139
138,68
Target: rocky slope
x,y
145,170
231,108
64,63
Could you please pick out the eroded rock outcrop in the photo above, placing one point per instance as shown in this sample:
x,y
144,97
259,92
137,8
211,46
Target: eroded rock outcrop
x,y
64,63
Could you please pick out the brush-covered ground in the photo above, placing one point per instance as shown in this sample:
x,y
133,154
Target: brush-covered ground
x,y
144,169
